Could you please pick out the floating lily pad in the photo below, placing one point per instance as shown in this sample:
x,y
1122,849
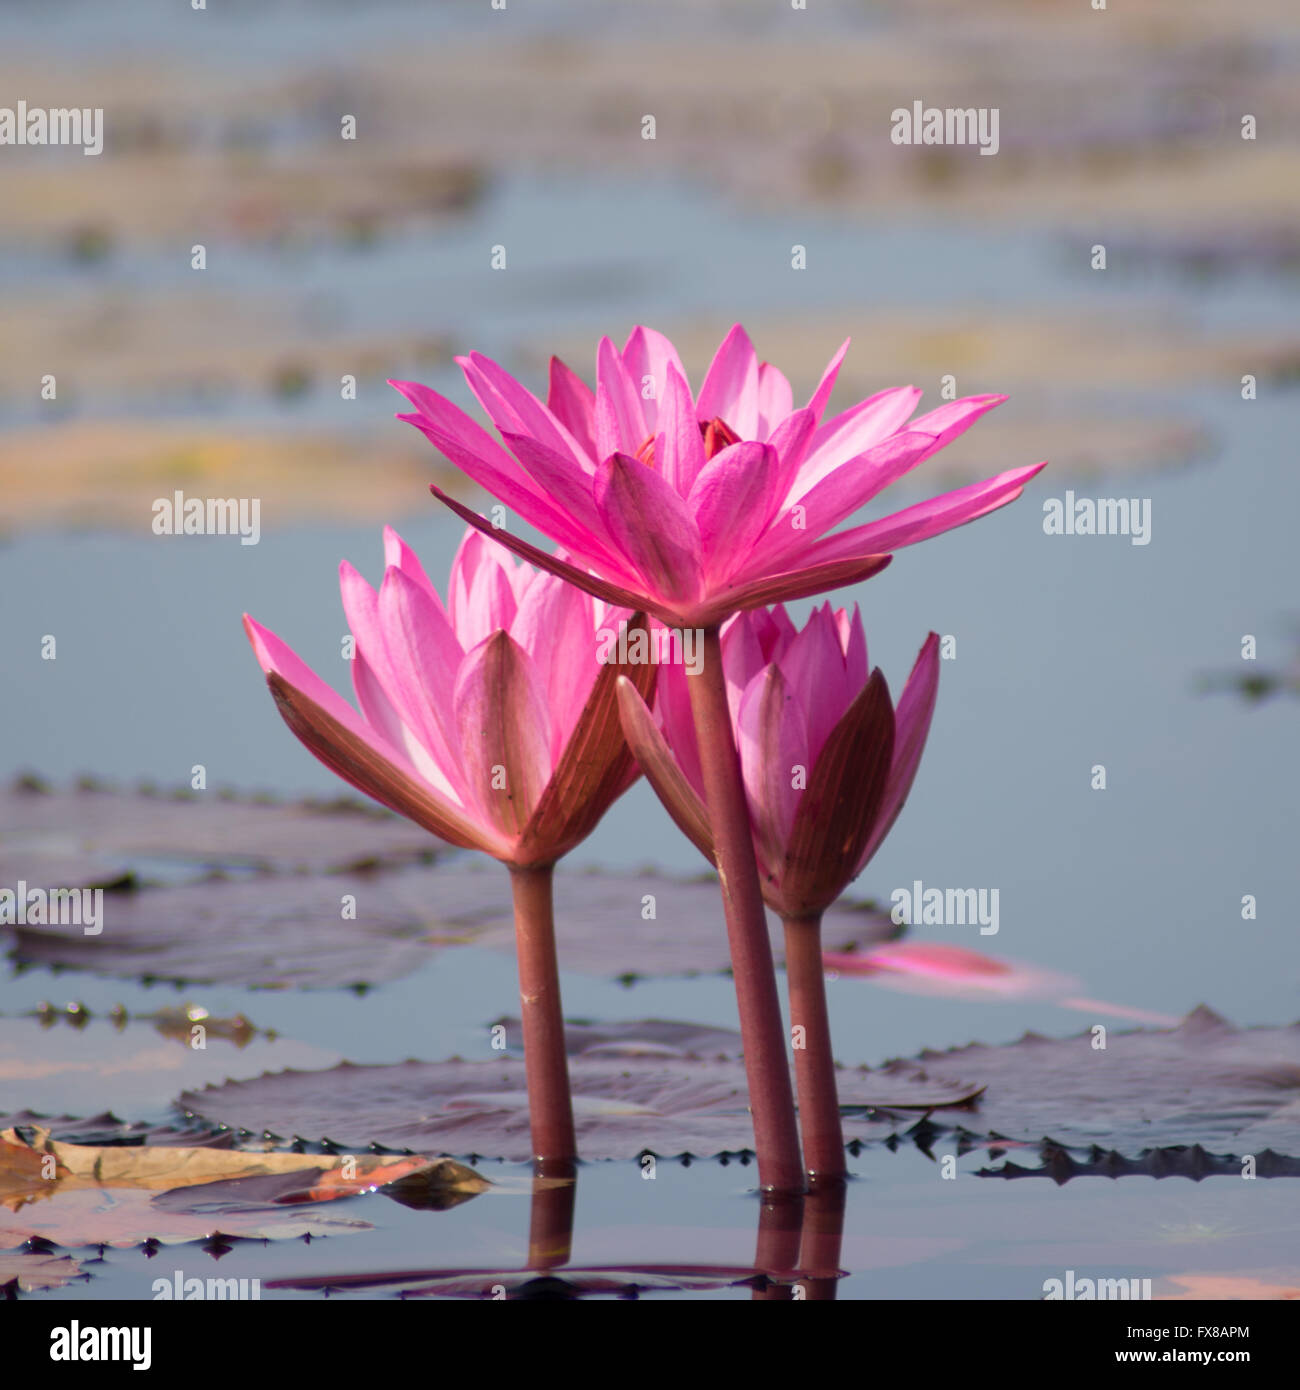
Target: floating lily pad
x,y
510,1285
623,1106
291,931
87,837
1206,1082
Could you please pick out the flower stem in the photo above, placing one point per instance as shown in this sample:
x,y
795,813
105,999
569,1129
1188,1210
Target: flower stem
x,y
814,1062
550,1109
771,1099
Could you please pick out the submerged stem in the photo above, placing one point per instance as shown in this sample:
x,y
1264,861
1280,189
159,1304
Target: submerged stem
x,y
550,1108
814,1062
771,1099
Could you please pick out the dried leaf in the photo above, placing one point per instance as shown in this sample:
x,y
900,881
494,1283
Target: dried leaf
x,y
96,1195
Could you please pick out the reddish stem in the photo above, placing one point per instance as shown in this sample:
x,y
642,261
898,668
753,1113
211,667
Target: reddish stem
x,y
771,1099
823,1237
814,1062
550,1109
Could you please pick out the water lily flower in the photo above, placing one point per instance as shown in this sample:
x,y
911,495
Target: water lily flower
x,y
489,720
694,506
827,759
492,721
827,762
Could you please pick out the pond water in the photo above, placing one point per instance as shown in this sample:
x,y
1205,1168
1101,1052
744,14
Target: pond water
x,y
1070,652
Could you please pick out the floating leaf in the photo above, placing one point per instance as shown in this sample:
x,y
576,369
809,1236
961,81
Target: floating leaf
x,y
566,1282
81,1194
1204,1082
73,838
277,932
623,1105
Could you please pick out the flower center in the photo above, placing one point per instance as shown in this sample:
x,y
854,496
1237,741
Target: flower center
x,y
717,436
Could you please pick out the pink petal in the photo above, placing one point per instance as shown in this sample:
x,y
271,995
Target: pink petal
x,y
553,564
839,494
652,526
925,519
573,403
730,389
554,626
399,555
954,418
775,399
680,799
482,459
772,739
513,408
817,403
649,354
381,714
679,447
596,765
937,968
571,490
732,500
814,668
620,424
857,429
505,735
342,740
480,595
424,655
912,725
791,439
776,588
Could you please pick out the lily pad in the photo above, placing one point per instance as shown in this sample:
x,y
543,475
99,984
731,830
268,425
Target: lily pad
x,y
1203,1083
511,1285
623,1106
1206,1082
94,836
292,931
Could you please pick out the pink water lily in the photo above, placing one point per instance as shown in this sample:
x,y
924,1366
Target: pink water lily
x,y
490,720
826,763
827,758
694,506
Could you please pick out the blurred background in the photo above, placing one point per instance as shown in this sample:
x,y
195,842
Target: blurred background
x,y
522,129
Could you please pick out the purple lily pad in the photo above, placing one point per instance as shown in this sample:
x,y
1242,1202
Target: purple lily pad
x,y
623,1106
1203,1083
290,930
91,837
